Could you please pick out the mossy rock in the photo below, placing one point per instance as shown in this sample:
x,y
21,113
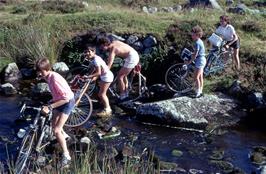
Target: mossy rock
x,y
177,153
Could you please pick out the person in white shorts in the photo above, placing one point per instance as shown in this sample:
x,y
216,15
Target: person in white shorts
x,y
126,52
106,76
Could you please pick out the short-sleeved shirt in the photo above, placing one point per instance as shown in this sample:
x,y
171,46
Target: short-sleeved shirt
x,y
59,87
226,32
199,46
200,60
99,62
106,74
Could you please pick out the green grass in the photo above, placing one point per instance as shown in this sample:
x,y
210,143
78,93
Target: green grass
x,y
116,17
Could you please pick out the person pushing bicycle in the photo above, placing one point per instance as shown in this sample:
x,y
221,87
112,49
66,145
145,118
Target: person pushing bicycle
x,y
62,104
126,52
106,76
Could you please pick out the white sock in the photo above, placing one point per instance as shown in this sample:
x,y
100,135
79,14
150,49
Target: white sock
x,y
66,154
108,109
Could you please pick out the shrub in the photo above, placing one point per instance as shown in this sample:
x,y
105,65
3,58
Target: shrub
x,y
251,26
63,6
139,2
19,10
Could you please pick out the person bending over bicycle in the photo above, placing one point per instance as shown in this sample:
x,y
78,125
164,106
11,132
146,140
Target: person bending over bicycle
x,y
228,33
198,56
62,103
106,76
126,52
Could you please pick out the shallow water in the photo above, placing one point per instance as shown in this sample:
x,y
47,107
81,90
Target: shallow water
x,y
237,143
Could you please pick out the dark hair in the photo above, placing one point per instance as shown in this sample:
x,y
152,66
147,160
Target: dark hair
x,y
104,41
197,30
43,64
225,18
90,47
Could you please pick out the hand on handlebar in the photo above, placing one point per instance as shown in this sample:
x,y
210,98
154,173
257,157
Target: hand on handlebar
x,y
45,110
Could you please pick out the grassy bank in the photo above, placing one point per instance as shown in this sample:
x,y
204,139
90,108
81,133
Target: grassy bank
x,y
124,17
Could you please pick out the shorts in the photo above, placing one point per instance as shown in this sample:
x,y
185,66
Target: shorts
x,y
67,107
200,62
132,60
235,44
107,77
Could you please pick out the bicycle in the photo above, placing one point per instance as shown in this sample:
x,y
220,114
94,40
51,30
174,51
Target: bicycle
x,y
217,59
136,82
179,77
83,103
35,139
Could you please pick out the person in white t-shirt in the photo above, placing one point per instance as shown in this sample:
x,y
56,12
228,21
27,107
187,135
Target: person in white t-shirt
x,y
228,33
106,76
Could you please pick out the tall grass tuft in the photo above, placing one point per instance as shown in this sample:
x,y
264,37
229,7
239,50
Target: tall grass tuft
x,y
24,44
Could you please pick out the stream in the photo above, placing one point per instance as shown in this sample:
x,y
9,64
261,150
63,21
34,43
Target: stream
x,y
236,143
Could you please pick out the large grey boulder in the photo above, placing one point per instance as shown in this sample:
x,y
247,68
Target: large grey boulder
x,y
60,67
8,89
192,113
12,74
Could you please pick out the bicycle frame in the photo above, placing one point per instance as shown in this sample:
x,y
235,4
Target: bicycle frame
x,y
40,125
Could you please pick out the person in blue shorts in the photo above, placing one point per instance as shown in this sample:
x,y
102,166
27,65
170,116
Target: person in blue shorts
x,y
198,56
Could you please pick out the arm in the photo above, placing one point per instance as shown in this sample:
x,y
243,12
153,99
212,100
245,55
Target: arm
x,y
231,42
111,58
96,73
47,108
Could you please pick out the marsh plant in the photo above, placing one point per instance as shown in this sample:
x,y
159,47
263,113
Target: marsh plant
x,y
24,44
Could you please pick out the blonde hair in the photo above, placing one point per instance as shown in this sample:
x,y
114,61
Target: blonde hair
x,y
198,31
43,64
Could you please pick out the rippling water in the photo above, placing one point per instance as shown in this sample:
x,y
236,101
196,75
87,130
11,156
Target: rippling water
x,y
237,143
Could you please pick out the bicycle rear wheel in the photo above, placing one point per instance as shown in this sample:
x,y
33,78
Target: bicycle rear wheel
x,y
22,161
81,113
178,78
72,74
137,87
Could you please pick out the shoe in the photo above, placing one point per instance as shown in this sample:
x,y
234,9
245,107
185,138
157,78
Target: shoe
x,y
104,113
66,136
198,95
65,162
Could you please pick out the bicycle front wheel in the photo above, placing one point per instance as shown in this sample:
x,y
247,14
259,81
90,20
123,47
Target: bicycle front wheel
x,y
79,71
178,78
81,113
22,160
137,87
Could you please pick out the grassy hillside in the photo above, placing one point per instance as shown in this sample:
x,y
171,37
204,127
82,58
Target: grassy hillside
x,y
56,23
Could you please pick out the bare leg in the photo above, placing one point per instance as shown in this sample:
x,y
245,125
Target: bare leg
x,y
197,79
102,94
122,74
236,58
58,123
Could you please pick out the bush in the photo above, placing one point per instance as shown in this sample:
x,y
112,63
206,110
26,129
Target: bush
x,y
139,2
251,26
19,10
63,6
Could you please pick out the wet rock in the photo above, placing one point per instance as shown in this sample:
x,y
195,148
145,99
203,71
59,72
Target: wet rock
x,y
258,156
8,89
114,132
12,74
195,171
256,100
60,67
177,153
168,166
41,92
184,111
217,155
225,166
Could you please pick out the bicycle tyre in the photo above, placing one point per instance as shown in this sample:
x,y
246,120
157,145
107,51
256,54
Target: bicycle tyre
x,y
81,112
137,87
178,79
80,70
25,151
